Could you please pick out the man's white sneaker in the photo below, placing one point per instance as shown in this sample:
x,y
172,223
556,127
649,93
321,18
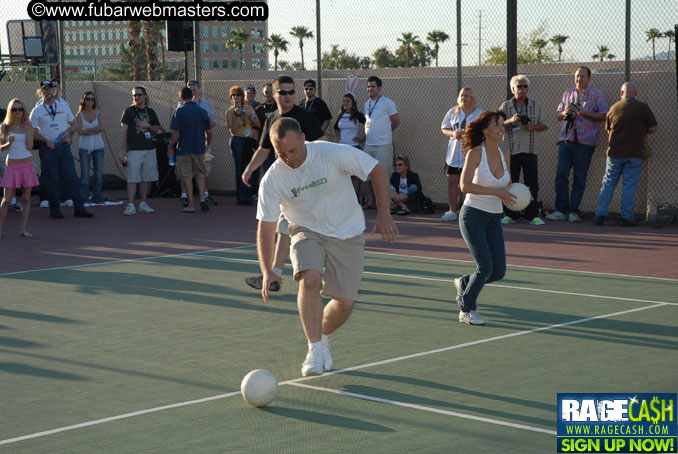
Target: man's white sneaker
x,y
556,216
313,364
44,204
145,208
573,217
537,221
450,216
130,210
328,354
67,203
508,220
471,318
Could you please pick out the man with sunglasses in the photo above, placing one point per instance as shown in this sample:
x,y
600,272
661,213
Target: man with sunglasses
x,y
283,93
523,120
55,125
139,124
315,105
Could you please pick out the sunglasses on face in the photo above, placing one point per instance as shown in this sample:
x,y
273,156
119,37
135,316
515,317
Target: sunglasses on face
x,y
89,99
268,92
309,88
138,95
17,109
522,86
400,164
285,93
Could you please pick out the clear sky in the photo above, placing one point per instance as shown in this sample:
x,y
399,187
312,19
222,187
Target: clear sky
x,y
362,27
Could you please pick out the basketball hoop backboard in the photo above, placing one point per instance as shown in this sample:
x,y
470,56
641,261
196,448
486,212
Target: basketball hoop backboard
x,y
33,40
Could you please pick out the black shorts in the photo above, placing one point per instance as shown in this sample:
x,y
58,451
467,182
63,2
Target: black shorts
x,y
452,170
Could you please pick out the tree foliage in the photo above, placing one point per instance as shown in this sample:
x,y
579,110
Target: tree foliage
x,y
531,49
340,59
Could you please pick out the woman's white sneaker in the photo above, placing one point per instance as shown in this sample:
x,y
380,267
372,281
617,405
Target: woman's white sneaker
x,y
450,216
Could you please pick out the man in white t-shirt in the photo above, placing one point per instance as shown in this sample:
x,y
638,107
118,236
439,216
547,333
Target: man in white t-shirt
x,y
55,126
381,119
311,184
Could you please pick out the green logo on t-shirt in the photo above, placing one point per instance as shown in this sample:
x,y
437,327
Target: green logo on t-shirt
x,y
313,184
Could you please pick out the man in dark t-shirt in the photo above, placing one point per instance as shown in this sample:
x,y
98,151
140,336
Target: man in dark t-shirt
x,y
139,126
283,89
627,122
192,129
315,105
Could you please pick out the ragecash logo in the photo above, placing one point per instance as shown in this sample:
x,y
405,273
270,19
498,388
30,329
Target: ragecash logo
x,y
642,422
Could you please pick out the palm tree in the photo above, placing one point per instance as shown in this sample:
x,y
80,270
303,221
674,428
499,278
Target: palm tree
x,y
671,35
134,45
559,40
539,44
408,40
301,33
277,43
153,38
238,39
611,56
284,65
653,34
603,52
436,37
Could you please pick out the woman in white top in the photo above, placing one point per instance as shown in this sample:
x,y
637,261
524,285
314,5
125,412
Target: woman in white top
x,y
91,147
16,139
350,126
453,126
485,181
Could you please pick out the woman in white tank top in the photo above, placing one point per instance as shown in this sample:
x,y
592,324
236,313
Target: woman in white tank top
x,y
91,147
16,139
485,180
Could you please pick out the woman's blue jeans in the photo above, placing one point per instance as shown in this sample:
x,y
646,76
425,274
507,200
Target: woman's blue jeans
x,y
484,236
97,160
242,154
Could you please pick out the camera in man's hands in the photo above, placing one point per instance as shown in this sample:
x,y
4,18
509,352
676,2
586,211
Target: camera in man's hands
x,y
569,117
524,119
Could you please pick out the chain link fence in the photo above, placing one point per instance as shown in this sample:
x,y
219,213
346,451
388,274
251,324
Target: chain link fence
x,y
413,48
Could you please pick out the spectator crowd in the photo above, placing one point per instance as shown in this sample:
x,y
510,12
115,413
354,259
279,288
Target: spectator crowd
x,y
49,128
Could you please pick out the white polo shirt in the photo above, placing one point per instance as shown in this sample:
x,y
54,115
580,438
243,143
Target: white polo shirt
x,y
52,120
318,194
378,121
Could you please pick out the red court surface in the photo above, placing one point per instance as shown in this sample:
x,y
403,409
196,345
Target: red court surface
x,y
638,251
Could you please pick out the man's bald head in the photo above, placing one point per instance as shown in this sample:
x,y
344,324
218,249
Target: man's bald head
x,y
629,90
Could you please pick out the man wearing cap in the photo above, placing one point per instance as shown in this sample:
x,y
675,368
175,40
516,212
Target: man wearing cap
x,y
315,105
250,94
55,125
194,85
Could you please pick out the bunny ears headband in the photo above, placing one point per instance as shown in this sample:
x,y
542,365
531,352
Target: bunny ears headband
x,y
351,84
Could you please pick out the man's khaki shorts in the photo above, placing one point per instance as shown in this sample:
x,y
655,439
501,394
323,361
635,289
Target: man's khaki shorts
x,y
283,225
383,154
142,165
189,166
340,262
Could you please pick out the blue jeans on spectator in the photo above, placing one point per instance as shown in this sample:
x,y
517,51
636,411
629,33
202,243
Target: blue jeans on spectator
x,y
614,169
484,236
242,154
578,158
97,158
58,163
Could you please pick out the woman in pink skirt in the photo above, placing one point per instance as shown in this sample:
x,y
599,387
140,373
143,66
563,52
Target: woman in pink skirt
x,y
16,139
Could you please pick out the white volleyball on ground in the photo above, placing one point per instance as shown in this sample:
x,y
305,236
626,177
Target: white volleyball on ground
x,y
259,388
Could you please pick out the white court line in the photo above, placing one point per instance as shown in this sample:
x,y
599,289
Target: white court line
x,y
301,379
529,267
437,279
431,409
111,262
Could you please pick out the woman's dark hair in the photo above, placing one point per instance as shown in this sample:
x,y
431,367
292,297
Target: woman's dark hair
x,y
405,161
473,136
355,114
82,101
